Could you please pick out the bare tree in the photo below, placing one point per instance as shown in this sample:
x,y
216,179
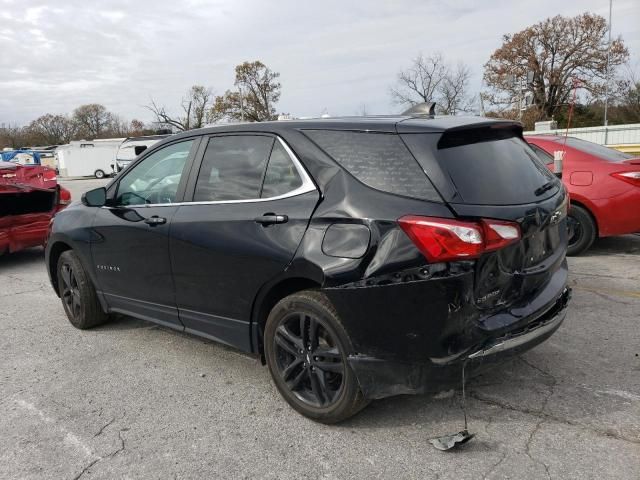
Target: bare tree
x,y
557,52
195,105
419,83
93,120
136,128
52,129
432,79
13,136
254,101
452,91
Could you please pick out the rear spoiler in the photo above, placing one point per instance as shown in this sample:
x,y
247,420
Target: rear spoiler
x,y
479,132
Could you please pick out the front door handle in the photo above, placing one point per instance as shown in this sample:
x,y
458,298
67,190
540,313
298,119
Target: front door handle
x,y
155,220
271,218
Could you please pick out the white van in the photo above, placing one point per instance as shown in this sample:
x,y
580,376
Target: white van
x,y
132,147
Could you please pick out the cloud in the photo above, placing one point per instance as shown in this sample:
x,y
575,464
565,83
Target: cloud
x,y
332,55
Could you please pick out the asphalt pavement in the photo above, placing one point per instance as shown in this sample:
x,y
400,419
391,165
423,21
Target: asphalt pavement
x,y
134,400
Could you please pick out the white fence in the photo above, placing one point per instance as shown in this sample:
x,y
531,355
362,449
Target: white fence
x,y
611,135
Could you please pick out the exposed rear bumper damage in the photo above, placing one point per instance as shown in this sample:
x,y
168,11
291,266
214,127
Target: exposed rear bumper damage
x,y
480,341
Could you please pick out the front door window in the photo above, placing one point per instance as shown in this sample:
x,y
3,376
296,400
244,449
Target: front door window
x,y
155,180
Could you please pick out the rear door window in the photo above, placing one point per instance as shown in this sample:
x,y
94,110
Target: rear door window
x,y
379,160
233,168
493,167
282,176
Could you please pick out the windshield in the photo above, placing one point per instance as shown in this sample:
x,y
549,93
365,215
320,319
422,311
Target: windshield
x,y
605,153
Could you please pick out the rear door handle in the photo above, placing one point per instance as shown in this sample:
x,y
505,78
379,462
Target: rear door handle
x,y
155,220
271,218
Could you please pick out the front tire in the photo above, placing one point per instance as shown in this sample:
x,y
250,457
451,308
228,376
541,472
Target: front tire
x,y
582,231
78,294
99,174
306,348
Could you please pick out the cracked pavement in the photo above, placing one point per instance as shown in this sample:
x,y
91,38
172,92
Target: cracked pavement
x,y
133,400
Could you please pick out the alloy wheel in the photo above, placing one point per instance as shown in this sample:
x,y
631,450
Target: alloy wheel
x,y
70,291
309,360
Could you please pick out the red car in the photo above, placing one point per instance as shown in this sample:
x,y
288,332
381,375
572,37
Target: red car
x,y
29,198
604,186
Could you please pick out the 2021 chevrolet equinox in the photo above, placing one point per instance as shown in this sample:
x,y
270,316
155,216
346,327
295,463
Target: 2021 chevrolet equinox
x,y
358,257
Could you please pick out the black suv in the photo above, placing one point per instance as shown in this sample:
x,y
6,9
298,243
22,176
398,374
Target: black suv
x,y
358,257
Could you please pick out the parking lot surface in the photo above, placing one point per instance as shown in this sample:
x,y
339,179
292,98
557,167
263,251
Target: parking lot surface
x,y
134,400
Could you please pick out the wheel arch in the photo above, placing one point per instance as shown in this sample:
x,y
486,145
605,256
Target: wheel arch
x,y
57,249
267,299
589,210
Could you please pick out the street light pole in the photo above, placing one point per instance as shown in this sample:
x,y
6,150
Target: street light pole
x,y
606,77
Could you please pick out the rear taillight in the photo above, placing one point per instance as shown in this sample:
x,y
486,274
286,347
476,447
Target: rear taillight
x,y
630,177
444,240
64,197
499,234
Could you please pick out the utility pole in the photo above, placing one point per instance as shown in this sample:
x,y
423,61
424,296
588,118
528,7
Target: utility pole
x,y
606,77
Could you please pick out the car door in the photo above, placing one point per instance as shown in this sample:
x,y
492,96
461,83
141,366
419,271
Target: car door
x,y
250,206
130,244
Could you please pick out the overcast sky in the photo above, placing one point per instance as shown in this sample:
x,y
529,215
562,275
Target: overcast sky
x,y
332,55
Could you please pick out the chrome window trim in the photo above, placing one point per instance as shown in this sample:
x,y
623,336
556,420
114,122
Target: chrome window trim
x,y
306,187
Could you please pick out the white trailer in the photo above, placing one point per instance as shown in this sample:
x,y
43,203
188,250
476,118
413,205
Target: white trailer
x,y
131,147
83,158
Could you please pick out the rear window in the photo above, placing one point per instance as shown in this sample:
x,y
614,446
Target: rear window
x,y
605,153
503,170
379,160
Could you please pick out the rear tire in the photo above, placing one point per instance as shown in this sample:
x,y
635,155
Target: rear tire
x,y
582,231
306,348
99,174
77,293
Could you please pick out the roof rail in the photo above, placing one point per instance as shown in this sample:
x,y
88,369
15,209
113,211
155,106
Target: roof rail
x,y
425,109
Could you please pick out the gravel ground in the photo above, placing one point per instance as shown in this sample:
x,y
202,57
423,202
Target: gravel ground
x,y
134,400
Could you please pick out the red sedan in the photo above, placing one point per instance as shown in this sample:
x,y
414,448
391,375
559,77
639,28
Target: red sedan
x,y
604,186
29,198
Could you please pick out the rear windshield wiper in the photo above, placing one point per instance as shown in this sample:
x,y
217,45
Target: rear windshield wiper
x,y
547,186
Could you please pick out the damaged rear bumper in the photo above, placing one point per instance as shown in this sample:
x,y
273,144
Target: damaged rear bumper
x,y
381,378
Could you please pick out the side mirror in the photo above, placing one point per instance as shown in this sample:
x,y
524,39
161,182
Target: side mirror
x,y
95,198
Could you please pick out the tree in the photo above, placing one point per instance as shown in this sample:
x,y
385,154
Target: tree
x,y
93,120
629,95
453,96
195,105
258,92
13,136
556,52
136,128
432,79
51,129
